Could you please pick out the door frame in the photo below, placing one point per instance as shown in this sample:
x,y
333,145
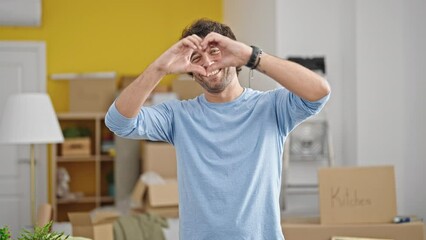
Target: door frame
x,y
38,47
42,180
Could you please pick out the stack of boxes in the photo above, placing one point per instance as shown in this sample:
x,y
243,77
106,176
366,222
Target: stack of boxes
x,y
355,202
161,199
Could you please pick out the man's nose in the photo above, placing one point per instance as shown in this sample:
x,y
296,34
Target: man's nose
x,y
207,61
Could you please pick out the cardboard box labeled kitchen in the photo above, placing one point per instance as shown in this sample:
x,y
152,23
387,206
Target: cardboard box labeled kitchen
x,y
352,238
316,231
357,195
96,227
159,157
162,199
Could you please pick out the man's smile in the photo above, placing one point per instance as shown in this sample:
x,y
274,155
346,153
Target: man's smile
x,y
213,73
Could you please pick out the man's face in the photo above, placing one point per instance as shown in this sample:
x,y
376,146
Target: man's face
x,y
216,81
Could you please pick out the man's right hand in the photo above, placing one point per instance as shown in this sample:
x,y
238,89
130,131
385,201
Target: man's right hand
x,y
177,59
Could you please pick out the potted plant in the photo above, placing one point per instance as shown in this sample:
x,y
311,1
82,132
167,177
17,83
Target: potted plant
x,y
5,233
39,233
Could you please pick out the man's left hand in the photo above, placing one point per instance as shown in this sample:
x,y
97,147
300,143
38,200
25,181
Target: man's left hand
x,y
234,53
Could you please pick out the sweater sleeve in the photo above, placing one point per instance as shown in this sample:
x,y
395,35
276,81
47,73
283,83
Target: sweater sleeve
x,y
152,123
291,109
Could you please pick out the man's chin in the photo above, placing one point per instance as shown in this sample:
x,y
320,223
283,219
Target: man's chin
x,y
214,90
214,84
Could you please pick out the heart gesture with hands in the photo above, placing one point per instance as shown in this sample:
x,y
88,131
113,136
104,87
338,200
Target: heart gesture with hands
x,y
177,59
233,53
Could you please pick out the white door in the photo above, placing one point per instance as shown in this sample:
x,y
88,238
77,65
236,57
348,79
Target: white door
x,y
22,69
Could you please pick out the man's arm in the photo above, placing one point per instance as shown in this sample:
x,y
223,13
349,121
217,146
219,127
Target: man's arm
x,y
175,60
134,96
294,77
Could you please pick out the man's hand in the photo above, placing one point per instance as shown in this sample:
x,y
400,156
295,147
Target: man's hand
x,y
177,59
234,53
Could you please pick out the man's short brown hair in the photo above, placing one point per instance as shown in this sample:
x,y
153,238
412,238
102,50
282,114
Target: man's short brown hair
x,y
204,26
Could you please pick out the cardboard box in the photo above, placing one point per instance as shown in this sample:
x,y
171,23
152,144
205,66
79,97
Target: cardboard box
x,y
162,199
163,195
96,227
127,80
76,147
317,231
159,157
351,238
91,95
167,212
357,195
186,88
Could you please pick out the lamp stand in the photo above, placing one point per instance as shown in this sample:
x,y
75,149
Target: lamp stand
x,y
32,186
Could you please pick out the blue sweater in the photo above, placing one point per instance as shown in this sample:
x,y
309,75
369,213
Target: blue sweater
x,y
229,158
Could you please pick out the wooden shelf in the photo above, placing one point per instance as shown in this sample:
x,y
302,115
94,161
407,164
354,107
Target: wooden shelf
x,y
76,158
107,158
88,173
76,200
88,75
107,199
81,115
103,158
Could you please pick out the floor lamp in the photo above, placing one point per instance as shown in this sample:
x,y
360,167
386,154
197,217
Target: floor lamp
x,y
29,118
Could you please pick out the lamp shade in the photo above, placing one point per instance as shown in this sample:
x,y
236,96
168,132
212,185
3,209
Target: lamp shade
x,y
29,118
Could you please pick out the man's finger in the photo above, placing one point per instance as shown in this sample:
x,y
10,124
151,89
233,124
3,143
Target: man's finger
x,y
196,40
211,38
197,69
188,43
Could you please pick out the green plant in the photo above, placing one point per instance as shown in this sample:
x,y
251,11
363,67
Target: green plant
x,y
74,132
5,233
41,233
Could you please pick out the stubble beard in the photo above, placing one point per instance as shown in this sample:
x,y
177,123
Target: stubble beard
x,y
216,87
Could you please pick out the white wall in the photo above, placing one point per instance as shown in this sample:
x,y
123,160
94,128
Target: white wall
x,y
380,95
252,26
391,84
310,28
414,81
320,28
375,54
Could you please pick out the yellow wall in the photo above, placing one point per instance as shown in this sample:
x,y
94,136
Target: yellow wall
x,y
110,35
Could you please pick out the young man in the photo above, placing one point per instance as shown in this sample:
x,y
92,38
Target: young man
x,y
229,140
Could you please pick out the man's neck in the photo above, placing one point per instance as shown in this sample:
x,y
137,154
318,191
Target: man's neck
x,y
231,92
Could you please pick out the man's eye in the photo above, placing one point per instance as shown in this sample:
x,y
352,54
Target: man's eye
x,y
214,51
195,59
